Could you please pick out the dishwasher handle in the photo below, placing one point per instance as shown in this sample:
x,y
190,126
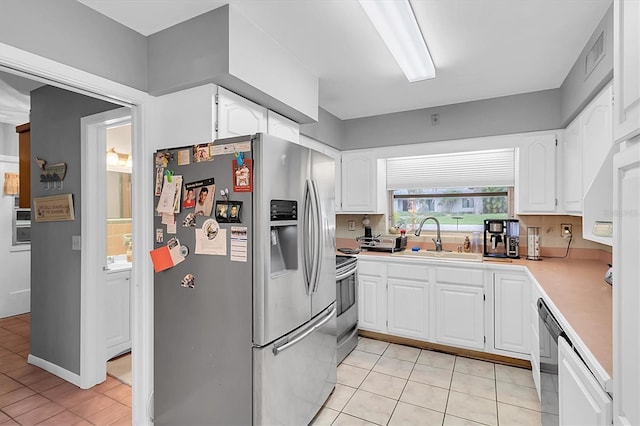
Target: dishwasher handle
x,y
550,322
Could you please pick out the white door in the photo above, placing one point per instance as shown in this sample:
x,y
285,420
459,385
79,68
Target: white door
x,y
597,135
238,116
626,291
15,261
93,270
460,315
408,308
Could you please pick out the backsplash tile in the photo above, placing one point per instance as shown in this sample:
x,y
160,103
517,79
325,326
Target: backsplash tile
x,y
549,232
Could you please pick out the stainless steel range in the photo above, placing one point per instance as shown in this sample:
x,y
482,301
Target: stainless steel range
x,y
346,305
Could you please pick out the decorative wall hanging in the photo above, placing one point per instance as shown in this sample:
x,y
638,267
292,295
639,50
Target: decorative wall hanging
x,y
11,183
52,175
54,208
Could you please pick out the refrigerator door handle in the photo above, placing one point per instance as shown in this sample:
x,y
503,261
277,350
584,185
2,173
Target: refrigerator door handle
x,y
307,255
317,257
312,328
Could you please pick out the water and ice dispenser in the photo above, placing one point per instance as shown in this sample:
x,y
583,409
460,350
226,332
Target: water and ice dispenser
x,y
284,236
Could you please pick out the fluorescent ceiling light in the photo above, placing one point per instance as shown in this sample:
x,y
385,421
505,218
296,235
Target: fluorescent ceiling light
x,y
397,25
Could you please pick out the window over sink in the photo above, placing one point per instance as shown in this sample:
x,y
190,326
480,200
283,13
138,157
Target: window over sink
x,y
459,189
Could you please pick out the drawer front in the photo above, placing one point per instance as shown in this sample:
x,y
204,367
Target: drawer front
x,y
410,272
459,276
371,268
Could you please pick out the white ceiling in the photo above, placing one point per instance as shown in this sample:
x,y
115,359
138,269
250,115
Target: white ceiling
x,y
482,48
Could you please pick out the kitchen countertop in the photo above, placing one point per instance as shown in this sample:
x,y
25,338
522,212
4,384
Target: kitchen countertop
x,y
577,295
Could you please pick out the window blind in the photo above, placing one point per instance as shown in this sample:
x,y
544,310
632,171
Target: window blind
x,y
462,169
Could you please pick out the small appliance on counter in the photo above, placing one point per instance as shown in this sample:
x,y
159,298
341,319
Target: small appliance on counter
x,y
533,243
389,243
502,238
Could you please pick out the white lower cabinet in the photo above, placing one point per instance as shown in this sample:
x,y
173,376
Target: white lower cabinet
x,y
118,313
459,295
460,315
512,318
582,400
408,301
372,296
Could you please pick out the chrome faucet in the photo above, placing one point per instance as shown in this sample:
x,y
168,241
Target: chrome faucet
x,y
437,240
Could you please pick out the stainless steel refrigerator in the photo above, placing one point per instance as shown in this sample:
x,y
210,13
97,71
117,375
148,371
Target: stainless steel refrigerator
x,y
246,333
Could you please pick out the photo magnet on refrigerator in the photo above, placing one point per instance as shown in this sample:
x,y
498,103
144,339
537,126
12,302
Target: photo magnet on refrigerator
x,y
188,281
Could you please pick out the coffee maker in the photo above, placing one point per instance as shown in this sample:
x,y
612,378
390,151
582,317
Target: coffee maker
x,y
512,242
501,238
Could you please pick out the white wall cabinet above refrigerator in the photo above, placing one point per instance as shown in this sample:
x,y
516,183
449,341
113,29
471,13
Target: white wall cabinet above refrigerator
x,y
238,116
282,127
626,69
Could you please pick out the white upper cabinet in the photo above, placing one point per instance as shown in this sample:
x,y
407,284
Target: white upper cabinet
x,y
238,116
360,182
282,127
572,168
536,177
596,133
586,160
626,291
626,69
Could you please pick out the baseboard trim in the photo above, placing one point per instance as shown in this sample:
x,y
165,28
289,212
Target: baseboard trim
x,y
468,353
54,369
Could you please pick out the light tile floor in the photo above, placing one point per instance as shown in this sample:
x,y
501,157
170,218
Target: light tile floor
x,y
30,395
388,384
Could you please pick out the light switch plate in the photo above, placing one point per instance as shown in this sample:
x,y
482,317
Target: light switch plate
x,y
352,225
75,242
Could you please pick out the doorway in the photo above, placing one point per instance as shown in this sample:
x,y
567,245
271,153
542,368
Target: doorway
x,y
106,239
38,68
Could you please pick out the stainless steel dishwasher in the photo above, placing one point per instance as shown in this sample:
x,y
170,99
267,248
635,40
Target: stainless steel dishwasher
x,y
550,332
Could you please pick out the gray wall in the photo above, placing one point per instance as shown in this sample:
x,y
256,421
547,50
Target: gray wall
x,y
329,129
8,140
189,54
76,35
578,88
498,116
55,268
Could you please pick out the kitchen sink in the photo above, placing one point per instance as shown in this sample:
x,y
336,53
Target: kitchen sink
x,y
444,255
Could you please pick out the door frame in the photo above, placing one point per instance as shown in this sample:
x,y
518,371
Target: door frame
x,y
93,255
51,72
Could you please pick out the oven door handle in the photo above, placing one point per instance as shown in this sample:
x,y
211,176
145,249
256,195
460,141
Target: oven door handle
x,y
347,274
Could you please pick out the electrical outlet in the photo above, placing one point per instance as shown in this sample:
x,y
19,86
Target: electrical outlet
x,y
352,225
565,230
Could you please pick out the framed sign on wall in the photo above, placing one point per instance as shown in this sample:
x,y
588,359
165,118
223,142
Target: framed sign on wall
x,y
54,208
